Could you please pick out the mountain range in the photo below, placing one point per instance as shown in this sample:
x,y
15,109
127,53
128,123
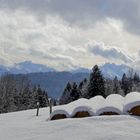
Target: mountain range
x,y
25,68
109,70
53,81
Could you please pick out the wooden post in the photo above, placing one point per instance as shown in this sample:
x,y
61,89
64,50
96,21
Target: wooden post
x,y
50,105
37,113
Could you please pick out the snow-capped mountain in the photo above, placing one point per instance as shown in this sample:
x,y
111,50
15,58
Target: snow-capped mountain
x,y
29,67
25,67
81,70
3,69
110,70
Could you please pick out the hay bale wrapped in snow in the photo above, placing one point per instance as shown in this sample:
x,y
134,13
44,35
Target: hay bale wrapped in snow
x,y
81,108
132,103
113,105
59,112
95,102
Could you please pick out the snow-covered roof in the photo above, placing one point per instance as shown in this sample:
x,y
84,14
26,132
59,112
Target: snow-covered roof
x,y
62,110
113,103
131,100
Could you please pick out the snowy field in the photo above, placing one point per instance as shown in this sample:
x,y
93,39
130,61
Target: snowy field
x,y
25,125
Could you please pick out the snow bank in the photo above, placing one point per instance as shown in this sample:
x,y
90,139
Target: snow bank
x,y
24,125
81,105
113,103
59,110
131,100
95,102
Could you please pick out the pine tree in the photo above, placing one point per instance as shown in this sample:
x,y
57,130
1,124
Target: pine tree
x,y
96,83
41,97
108,87
75,92
125,84
83,88
136,83
66,97
71,93
16,94
136,78
117,87
8,85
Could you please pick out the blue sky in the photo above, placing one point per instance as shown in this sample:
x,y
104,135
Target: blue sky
x,y
65,34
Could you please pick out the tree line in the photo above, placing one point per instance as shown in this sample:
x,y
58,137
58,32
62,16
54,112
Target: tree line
x,y
97,84
17,94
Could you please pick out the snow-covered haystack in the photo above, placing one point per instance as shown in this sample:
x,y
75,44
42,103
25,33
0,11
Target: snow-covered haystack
x,y
59,112
132,103
95,102
81,108
113,105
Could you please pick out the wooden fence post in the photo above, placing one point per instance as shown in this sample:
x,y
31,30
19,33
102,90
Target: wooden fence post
x,y
37,113
50,105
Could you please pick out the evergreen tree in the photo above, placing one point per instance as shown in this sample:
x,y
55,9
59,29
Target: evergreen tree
x,y
109,85
136,83
66,97
41,96
96,83
16,94
83,88
71,93
117,87
125,84
136,78
7,84
75,92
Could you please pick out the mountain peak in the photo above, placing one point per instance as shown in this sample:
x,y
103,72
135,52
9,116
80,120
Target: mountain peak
x,y
110,70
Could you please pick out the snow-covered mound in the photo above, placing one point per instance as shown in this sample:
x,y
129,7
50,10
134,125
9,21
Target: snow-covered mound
x,y
59,111
131,100
81,105
24,125
95,102
112,104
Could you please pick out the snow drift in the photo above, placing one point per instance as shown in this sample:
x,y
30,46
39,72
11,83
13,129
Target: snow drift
x,y
95,102
24,125
81,108
113,105
59,112
132,103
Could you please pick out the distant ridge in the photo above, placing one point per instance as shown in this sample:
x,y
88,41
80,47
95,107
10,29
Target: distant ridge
x,y
54,82
109,70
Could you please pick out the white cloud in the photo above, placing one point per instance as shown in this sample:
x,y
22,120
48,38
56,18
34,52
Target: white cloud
x,y
109,52
23,37
82,12
56,41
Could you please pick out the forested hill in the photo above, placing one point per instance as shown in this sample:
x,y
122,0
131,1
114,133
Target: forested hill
x,y
54,82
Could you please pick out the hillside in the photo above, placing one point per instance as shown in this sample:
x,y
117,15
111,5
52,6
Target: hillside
x,y
25,125
54,82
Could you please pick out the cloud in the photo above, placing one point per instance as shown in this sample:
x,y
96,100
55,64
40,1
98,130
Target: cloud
x,y
109,52
23,37
139,53
83,12
51,32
